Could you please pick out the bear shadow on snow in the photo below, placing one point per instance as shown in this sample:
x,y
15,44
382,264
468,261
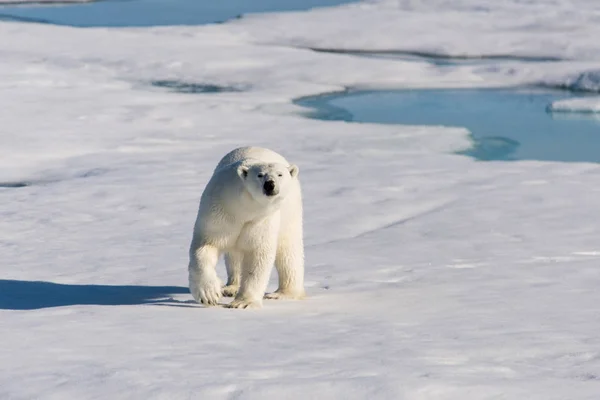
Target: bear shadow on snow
x,y
32,295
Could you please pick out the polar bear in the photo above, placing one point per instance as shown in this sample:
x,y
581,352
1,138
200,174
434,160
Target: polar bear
x,y
250,211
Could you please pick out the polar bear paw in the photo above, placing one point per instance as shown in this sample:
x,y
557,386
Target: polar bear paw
x,y
206,290
243,303
230,290
285,295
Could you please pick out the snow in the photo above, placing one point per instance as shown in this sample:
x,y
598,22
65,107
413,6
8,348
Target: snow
x,y
556,38
580,105
542,28
429,275
587,81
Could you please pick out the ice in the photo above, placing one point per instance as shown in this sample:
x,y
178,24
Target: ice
x,y
462,28
535,42
581,105
429,275
587,81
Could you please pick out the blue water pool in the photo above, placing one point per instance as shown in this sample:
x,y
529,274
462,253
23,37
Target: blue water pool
x,y
115,13
506,124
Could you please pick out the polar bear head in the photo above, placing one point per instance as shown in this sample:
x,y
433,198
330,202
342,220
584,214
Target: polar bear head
x,y
268,182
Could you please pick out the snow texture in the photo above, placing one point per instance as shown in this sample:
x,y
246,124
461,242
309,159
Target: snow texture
x,y
429,275
579,105
537,41
463,28
588,81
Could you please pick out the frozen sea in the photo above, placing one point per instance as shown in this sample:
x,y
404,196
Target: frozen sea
x,y
505,124
430,275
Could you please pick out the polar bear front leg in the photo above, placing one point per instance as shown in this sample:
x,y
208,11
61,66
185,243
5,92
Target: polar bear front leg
x,y
233,263
290,255
256,268
204,283
290,269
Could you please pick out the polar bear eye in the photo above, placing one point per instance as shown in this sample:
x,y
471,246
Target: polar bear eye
x,y
260,175
279,174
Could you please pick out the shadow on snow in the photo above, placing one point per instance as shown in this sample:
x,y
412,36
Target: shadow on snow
x,y
32,295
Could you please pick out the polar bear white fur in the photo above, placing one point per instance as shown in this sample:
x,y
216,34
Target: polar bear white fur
x,y
250,211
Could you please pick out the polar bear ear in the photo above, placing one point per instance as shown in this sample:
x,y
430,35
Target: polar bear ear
x,y
294,170
242,171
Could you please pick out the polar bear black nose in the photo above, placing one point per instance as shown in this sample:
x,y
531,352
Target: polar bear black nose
x,y
269,187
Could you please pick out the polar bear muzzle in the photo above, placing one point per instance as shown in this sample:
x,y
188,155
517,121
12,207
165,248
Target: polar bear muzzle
x,y
270,189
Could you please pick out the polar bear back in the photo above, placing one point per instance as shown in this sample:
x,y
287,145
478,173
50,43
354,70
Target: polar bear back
x,y
247,153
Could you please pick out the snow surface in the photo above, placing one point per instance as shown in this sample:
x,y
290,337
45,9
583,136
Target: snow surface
x,y
543,28
537,31
429,275
580,105
588,81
